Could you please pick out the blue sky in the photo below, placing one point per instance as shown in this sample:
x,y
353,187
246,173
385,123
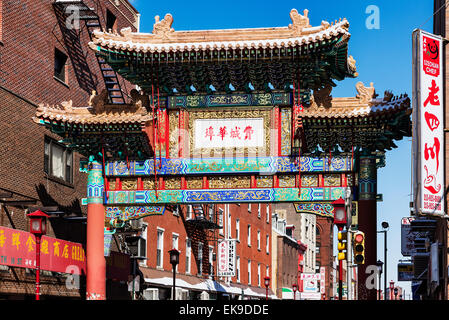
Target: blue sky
x,y
384,57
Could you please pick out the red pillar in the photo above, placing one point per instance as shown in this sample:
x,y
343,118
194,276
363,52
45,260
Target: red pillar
x,y
96,263
367,221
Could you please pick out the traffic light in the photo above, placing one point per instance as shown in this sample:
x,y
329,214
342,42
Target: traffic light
x,y
342,238
359,247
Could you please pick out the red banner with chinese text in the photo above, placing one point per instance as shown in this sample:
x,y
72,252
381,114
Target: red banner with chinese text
x,y
18,249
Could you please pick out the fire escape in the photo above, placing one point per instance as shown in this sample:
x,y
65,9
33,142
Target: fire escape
x,y
92,22
203,225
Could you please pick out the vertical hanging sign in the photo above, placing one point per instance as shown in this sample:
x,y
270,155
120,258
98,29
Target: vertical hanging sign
x,y
226,258
428,124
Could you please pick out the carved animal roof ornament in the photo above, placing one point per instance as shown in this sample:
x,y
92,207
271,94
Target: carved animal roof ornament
x,y
299,21
365,94
163,27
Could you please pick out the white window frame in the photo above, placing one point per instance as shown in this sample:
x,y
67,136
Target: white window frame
x,y
259,208
238,268
249,271
258,240
229,224
200,258
268,244
160,247
249,235
189,211
258,275
188,255
175,243
268,213
144,235
237,229
211,259
220,220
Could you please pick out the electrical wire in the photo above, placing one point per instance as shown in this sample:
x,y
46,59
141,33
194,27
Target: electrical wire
x,y
444,5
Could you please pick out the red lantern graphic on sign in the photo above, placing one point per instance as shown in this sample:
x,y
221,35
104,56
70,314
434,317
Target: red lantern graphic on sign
x,y
431,56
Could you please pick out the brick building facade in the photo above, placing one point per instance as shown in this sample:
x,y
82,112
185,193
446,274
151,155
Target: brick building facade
x,y
249,225
41,61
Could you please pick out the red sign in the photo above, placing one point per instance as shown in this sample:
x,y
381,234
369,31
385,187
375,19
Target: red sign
x,y
428,124
431,56
18,249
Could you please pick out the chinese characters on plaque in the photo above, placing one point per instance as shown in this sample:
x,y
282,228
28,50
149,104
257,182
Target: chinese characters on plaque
x,y
229,133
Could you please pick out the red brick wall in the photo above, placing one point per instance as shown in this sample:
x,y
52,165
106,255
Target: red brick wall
x,y
171,223
30,35
246,252
1,20
22,166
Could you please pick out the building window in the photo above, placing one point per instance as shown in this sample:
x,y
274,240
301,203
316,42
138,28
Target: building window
x,y
258,210
58,160
268,213
160,248
175,238
188,254
220,221
258,274
143,251
110,20
249,271
249,207
229,225
176,211
60,66
238,269
237,229
211,212
211,260
189,211
268,244
249,235
258,239
200,258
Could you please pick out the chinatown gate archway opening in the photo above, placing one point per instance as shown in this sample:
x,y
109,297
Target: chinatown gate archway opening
x,y
229,116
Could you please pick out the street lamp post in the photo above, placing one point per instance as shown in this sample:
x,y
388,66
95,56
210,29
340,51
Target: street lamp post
x,y
174,260
340,220
385,227
295,287
267,284
379,268
391,289
38,227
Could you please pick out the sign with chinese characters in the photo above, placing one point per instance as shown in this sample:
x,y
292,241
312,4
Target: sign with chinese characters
x,y
323,280
226,258
407,236
229,133
428,135
18,249
310,282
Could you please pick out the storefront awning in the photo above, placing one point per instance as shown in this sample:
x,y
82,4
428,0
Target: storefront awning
x,y
165,279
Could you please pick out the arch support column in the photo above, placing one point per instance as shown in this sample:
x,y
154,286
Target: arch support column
x,y
96,263
367,221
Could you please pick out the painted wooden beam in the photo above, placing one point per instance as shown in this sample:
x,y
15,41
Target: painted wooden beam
x,y
269,195
210,166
